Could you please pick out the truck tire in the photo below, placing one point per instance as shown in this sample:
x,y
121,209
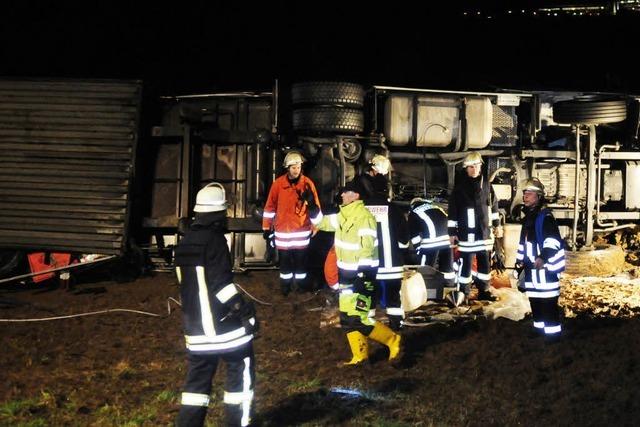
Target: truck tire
x,y
328,93
590,111
605,261
329,119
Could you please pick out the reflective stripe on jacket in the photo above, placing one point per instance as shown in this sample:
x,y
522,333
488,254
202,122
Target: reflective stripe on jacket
x,y
203,267
428,228
287,214
542,283
355,236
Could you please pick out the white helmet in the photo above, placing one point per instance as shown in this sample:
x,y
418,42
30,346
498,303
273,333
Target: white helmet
x,y
473,158
292,158
380,164
211,198
534,184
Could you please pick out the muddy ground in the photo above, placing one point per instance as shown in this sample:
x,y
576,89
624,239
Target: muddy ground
x,y
124,368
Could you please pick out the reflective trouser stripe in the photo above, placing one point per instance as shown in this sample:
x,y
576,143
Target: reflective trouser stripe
x,y
194,399
395,311
242,398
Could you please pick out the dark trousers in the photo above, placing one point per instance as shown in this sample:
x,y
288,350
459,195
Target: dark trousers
x,y
238,393
445,262
293,267
546,315
483,273
390,299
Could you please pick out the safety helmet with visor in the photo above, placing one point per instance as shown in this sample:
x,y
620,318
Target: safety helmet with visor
x,y
292,158
473,158
211,198
380,164
534,184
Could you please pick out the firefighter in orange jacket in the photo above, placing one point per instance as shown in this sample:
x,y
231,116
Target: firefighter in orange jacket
x,y
286,218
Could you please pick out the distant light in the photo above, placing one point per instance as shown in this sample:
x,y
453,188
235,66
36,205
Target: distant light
x,y
522,11
509,12
478,13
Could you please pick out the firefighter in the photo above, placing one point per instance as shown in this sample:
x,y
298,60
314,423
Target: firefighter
x,y
357,259
473,209
218,323
374,179
430,237
393,239
541,255
287,214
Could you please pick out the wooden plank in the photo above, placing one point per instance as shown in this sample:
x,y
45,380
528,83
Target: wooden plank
x,y
63,215
76,173
69,229
62,201
91,210
51,186
21,236
63,148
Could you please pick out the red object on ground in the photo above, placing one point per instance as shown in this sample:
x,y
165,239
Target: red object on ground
x,y
38,262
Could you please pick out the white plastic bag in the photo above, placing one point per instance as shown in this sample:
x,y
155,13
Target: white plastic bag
x,y
512,304
413,293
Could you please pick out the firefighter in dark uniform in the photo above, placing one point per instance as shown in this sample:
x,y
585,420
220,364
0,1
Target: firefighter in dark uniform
x,y
218,323
541,255
393,238
430,237
473,209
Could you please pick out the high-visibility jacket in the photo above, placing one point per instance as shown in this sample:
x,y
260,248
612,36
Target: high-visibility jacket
x,y
428,228
355,236
393,238
473,209
288,214
543,283
203,267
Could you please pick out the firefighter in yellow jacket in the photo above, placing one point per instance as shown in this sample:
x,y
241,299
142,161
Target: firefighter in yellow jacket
x,y
357,254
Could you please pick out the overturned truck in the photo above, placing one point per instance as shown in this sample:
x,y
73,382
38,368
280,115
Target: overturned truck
x,y
584,147
67,155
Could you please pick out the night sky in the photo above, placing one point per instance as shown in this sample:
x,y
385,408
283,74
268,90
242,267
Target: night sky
x,y
201,46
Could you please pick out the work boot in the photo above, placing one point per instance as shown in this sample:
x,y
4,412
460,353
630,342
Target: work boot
x,y
486,296
384,335
285,289
359,348
550,339
395,322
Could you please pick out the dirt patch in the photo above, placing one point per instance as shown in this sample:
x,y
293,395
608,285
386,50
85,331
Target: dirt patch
x,y
122,367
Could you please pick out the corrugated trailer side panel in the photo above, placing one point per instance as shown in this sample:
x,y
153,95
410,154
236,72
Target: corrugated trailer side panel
x,y
67,155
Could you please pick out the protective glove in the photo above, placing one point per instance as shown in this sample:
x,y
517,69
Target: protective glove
x,y
267,235
517,274
498,261
359,284
307,197
245,312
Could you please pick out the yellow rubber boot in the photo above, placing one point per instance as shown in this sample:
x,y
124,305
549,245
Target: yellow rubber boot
x,y
359,348
384,335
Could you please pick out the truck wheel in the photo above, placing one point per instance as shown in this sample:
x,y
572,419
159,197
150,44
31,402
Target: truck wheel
x,y
328,93
590,111
329,119
9,261
606,261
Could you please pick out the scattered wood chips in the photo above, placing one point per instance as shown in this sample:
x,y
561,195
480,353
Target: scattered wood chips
x,y
617,296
